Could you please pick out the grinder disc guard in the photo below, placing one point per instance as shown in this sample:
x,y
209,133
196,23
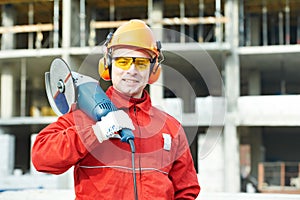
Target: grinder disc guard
x,y
60,87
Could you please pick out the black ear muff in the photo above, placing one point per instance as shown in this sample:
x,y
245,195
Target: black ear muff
x,y
156,66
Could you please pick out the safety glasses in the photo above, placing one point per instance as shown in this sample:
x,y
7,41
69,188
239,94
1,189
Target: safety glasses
x,y
124,63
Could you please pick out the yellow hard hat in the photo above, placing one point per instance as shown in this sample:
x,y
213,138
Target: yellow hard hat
x,y
134,33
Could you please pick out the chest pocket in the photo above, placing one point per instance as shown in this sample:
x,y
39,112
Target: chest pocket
x,y
166,150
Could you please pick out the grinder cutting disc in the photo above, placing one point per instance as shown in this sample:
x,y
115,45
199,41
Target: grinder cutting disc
x,y
60,87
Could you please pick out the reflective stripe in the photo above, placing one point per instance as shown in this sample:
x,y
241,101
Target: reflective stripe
x,y
122,167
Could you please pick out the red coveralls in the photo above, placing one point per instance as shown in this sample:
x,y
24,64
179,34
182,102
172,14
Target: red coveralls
x,y
164,166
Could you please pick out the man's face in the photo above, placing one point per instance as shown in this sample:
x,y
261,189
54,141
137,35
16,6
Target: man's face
x,y
131,81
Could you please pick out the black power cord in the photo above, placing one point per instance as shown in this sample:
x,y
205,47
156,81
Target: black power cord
x,y
131,143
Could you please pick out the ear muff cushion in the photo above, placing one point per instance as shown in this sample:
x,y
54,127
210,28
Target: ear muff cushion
x,y
154,73
103,70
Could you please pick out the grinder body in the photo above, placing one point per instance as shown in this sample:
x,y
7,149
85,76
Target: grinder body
x,y
65,88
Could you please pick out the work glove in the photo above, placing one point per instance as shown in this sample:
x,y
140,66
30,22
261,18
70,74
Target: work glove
x,y
110,124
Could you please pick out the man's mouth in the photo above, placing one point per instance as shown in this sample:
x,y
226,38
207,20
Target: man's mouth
x,y
130,81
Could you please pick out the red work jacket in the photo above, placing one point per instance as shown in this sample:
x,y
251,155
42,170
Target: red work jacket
x,y
164,167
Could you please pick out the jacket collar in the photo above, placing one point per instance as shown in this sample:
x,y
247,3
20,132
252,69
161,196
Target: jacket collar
x,y
122,101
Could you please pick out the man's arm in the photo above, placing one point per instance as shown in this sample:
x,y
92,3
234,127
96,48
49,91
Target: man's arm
x,y
63,143
183,173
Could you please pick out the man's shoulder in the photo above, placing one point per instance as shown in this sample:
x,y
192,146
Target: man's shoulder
x,y
162,112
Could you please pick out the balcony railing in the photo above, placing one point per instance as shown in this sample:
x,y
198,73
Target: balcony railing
x,y
279,177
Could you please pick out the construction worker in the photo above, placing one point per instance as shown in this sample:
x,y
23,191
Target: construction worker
x,y
163,165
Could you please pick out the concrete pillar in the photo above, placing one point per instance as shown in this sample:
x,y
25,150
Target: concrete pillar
x,y
280,28
255,30
200,26
7,154
254,82
75,24
218,30
287,11
298,29
231,156
56,23
66,29
36,102
23,84
232,92
211,168
8,19
83,27
265,23
248,36
7,92
157,92
182,26
241,23
30,21
66,24
187,93
257,150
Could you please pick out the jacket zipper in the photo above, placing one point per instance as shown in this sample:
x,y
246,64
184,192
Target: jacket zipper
x,y
139,134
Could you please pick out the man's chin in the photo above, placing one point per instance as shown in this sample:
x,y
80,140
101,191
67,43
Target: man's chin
x,y
134,92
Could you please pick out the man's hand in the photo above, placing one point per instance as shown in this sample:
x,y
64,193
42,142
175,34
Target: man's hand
x,y
110,124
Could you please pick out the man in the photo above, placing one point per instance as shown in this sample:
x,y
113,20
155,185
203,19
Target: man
x,y
163,164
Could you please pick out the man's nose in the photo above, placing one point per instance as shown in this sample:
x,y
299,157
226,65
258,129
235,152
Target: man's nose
x,y
132,67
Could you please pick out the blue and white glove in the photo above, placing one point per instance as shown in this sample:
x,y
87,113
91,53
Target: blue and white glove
x,y
111,123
